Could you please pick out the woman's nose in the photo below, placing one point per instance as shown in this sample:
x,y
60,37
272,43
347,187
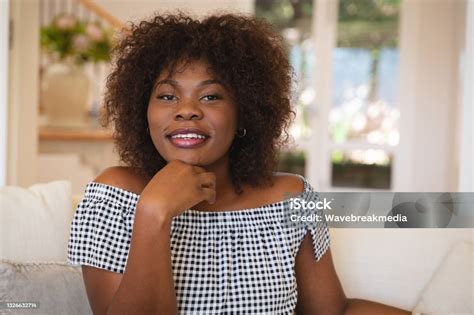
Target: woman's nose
x,y
188,109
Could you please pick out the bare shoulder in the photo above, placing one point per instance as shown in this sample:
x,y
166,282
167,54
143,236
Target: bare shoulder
x,y
287,183
123,177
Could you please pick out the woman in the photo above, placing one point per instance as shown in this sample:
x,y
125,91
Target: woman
x,y
195,223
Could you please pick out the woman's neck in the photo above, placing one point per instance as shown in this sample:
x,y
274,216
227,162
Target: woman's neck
x,y
224,188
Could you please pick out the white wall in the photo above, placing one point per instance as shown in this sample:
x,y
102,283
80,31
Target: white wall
x,y
466,172
431,40
23,93
4,29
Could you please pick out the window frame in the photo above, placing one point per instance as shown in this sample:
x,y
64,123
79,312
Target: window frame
x,y
319,147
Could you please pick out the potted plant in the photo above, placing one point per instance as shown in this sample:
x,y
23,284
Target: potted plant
x,y
65,88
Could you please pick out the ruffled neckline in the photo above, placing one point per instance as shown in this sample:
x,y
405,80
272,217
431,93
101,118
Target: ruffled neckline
x,y
129,199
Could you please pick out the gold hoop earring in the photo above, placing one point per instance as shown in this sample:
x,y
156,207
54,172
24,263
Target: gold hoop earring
x,y
241,135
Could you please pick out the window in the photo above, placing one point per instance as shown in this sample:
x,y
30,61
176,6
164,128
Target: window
x,y
346,130
363,118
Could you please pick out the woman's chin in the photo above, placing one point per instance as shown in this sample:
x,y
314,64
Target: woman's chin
x,y
196,161
202,159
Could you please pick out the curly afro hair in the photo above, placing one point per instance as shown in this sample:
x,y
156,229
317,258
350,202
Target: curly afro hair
x,y
245,53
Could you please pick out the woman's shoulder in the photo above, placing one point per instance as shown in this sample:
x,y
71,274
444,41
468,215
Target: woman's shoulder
x,y
284,185
289,183
123,177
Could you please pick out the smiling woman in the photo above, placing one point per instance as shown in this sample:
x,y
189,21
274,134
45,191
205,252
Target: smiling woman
x,y
247,59
196,223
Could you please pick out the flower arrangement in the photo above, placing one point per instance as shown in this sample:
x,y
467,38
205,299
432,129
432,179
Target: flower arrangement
x,y
67,38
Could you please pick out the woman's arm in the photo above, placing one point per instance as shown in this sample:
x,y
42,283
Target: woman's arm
x,y
320,291
147,285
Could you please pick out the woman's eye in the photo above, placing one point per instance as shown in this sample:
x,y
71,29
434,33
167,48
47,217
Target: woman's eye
x,y
211,97
167,97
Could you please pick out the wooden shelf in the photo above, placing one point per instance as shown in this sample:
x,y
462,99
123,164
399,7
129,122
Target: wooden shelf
x,y
74,134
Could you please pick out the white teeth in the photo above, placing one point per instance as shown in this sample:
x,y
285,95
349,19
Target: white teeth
x,y
188,136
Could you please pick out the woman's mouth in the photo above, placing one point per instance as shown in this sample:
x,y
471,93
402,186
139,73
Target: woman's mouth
x,y
187,141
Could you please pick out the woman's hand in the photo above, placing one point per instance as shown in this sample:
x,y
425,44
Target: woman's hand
x,y
177,187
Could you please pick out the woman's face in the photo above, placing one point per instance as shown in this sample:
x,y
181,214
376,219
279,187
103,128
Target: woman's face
x,y
191,116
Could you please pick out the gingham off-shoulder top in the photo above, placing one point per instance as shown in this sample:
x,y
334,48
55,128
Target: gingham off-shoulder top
x,y
237,261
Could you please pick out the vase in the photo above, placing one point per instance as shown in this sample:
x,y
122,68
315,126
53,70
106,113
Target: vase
x,y
65,92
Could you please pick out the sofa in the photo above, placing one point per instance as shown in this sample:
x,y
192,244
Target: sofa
x,y
428,271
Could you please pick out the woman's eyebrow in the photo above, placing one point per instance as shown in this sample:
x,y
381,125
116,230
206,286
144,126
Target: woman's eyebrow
x,y
175,83
167,81
210,82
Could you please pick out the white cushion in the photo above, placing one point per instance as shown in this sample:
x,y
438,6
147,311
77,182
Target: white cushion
x,y
35,221
391,266
450,291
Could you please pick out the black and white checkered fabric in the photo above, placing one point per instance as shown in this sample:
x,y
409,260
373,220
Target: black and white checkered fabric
x,y
238,261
